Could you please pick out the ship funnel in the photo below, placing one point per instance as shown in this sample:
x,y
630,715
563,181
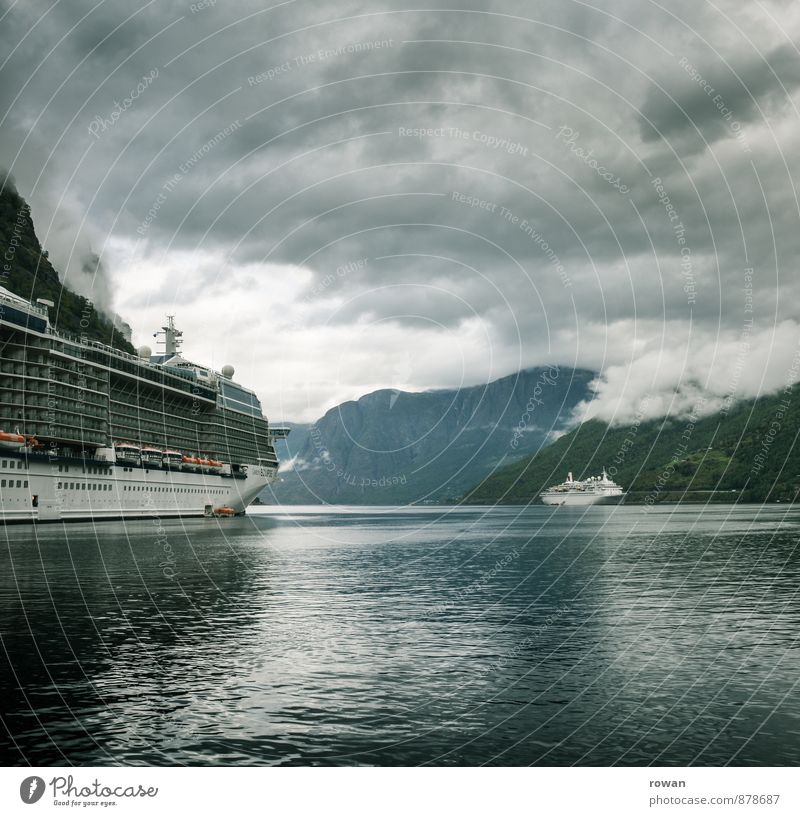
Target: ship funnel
x,y
569,476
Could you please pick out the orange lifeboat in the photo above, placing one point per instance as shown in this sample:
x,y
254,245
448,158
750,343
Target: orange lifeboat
x,y
190,463
34,444
224,512
11,441
214,464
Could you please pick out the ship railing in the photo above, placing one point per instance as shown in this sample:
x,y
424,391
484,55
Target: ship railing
x,y
74,338
135,358
185,374
42,310
115,352
84,342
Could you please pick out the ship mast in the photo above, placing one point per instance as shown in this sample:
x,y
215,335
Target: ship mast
x,y
172,336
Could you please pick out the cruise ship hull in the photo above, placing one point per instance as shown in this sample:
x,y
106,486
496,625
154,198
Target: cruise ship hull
x,y
39,489
579,499
89,431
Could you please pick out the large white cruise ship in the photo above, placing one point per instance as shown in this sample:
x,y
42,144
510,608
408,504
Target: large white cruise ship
x,y
91,432
588,491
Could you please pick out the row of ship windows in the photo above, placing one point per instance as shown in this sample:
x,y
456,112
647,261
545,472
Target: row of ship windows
x,y
91,469
62,468
41,422
84,486
20,483
173,490
36,372
131,488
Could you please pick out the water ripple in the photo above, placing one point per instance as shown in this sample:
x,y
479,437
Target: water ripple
x,y
406,636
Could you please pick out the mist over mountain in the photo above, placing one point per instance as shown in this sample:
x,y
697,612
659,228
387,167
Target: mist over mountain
x,y
393,446
415,201
26,271
747,453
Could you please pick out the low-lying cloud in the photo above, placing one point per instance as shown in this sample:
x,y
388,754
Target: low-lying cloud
x,y
275,146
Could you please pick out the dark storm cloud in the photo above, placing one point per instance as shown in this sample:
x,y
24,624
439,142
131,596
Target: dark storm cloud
x,y
714,99
499,152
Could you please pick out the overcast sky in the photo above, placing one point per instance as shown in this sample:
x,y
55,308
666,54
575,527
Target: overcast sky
x,y
337,197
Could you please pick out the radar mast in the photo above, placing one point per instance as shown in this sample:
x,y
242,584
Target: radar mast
x,y
172,337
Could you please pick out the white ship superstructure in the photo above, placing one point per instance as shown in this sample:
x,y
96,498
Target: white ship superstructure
x,y
91,432
584,492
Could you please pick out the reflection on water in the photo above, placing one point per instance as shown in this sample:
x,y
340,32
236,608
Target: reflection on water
x,y
381,636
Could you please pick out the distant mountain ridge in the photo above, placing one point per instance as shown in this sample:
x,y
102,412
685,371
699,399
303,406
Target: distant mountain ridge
x,y
397,447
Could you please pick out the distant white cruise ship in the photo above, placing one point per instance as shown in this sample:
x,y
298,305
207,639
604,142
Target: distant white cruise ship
x,y
588,491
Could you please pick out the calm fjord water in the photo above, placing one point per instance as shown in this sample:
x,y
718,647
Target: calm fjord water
x,y
383,636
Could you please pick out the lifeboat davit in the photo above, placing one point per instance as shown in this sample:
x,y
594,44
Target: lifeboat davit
x,y
172,458
11,441
152,456
127,453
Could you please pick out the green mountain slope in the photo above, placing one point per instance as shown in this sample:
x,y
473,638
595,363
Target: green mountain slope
x,y
748,454
26,271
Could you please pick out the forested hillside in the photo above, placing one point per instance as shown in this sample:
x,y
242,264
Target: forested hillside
x,y
748,454
26,271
